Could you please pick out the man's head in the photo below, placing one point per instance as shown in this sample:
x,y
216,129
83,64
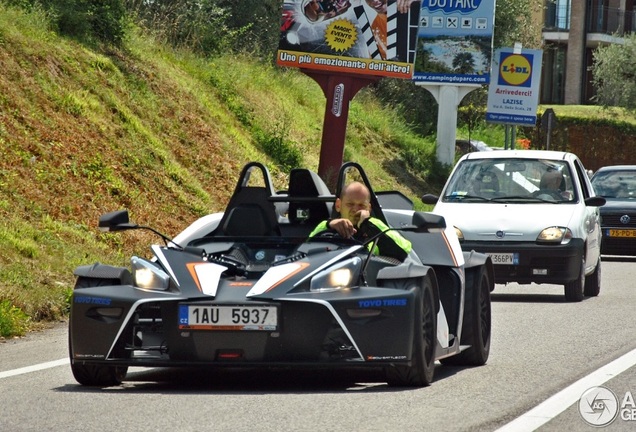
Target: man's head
x,y
353,198
552,180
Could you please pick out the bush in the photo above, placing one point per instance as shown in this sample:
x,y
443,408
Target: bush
x,y
89,21
13,322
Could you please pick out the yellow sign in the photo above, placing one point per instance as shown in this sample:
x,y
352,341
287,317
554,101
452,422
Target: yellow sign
x,y
347,64
341,35
515,70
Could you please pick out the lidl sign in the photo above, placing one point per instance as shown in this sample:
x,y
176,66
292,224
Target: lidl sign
x,y
515,70
513,93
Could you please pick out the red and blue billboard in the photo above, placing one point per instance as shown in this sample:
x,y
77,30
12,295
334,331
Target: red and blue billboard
x,y
365,37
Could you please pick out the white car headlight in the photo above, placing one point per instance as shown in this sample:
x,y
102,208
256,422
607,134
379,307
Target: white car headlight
x,y
148,276
557,235
340,276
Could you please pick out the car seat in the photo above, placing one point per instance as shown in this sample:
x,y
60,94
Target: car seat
x,y
310,202
250,211
486,183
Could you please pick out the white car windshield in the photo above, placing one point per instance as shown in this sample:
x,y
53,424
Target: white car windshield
x,y
511,180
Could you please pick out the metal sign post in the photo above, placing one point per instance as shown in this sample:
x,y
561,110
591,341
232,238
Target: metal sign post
x,y
339,89
548,121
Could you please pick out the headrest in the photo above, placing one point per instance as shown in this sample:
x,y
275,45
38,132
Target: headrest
x,y
305,183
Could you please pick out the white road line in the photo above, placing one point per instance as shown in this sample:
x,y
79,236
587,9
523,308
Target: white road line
x,y
34,368
555,405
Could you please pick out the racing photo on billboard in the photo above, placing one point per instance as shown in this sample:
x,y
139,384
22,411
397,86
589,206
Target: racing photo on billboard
x,y
368,37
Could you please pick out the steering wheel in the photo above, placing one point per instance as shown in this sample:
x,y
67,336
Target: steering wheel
x,y
328,233
549,192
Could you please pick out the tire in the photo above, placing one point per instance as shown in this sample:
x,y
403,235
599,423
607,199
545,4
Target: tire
x,y
593,282
98,375
477,321
574,289
422,366
94,374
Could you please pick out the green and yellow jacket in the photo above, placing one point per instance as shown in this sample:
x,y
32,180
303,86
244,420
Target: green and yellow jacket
x,y
391,244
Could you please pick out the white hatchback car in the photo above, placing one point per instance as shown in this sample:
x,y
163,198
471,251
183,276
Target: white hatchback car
x,y
533,211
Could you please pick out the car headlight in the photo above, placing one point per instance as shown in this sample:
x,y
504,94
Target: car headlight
x,y
556,235
148,276
340,276
460,234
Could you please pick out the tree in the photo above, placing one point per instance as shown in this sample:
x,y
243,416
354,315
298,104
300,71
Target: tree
x,y
102,21
514,23
199,25
464,63
614,74
260,22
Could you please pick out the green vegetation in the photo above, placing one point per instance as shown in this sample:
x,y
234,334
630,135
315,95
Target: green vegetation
x,y
614,72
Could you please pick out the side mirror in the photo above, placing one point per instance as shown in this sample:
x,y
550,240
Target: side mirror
x,y
423,222
115,221
595,201
430,199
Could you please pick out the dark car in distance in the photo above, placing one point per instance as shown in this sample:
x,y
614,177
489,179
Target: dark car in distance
x,y
617,184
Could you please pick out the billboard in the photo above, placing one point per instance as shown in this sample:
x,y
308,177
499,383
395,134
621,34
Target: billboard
x,y
454,44
513,93
366,37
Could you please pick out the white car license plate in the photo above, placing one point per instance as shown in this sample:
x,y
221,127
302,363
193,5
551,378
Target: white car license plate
x,y
235,317
504,258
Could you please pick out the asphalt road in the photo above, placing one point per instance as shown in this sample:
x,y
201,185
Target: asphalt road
x,y
541,348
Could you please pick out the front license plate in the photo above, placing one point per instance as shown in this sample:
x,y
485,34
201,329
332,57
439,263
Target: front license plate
x,y
235,317
621,233
504,258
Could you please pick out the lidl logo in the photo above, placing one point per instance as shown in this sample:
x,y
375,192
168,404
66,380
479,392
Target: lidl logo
x,y
515,70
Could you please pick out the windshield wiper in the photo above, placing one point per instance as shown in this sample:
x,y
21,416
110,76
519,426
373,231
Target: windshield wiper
x,y
458,197
518,198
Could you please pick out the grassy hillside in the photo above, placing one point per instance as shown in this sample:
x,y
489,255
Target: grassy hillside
x,y
162,133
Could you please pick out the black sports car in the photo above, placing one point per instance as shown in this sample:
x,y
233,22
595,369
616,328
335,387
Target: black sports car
x,y
246,287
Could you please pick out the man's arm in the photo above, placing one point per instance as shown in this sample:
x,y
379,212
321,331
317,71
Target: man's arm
x,y
322,226
391,244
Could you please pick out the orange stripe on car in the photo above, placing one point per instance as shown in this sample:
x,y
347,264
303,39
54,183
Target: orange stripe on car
x,y
191,268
